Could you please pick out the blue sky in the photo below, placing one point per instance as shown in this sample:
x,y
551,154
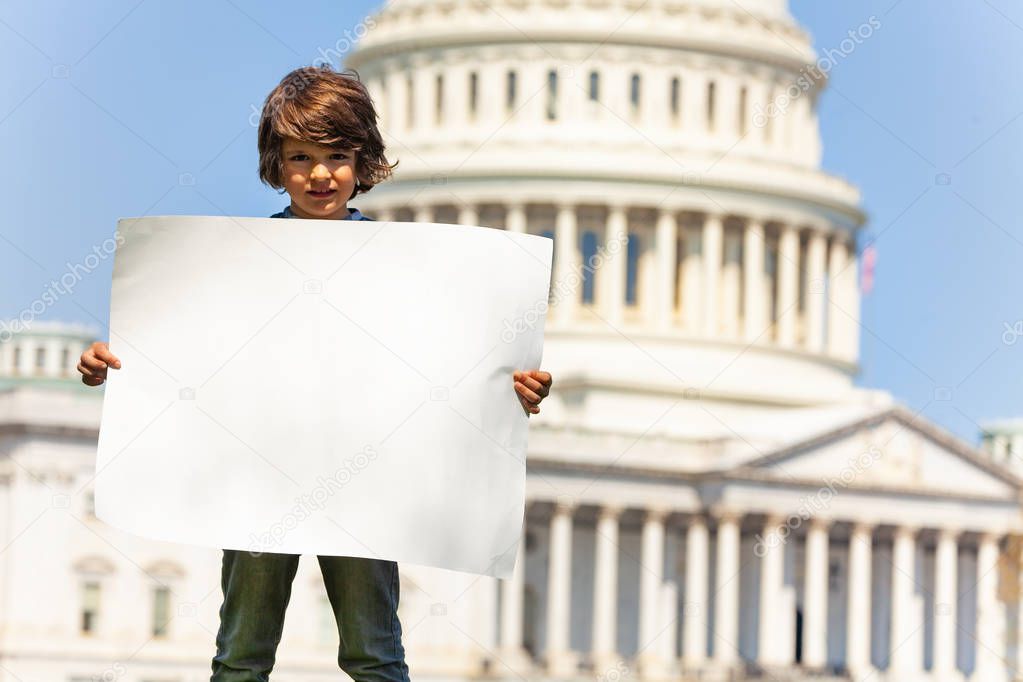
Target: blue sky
x,y
113,109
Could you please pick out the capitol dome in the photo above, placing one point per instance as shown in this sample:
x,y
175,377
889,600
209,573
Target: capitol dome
x,y
700,250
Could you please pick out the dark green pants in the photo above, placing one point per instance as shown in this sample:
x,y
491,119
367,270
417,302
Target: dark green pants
x,y
363,594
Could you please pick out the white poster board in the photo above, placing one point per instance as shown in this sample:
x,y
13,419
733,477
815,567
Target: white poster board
x,y
322,387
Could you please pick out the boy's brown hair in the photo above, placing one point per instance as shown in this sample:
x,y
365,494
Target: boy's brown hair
x,y
323,106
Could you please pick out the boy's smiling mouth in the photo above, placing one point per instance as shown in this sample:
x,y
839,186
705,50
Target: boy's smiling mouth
x,y
321,194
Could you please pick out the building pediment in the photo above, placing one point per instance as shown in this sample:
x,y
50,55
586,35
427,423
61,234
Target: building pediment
x,y
892,450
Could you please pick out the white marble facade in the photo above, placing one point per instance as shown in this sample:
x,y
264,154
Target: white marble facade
x,y
709,497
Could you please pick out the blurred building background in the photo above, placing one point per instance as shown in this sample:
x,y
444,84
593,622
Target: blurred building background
x,y
709,495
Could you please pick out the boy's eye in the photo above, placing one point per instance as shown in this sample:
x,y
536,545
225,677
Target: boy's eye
x,y
303,157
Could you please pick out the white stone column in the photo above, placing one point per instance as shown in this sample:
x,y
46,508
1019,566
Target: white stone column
x,y
838,316
455,107
857,648
567,275
990,642
694,623
492,89
52,357
691,280
647,297
757,117
946,559
788,129
515,218
614,87
512,591
654,93
713,245
801,124
612,284
815,261
815,596
468,215
772,576
788,285
573,84
532,95
755,318
727,109
423,214
731,277
384,215
396,118
666,240
483,595
726,591
26,346
424,94
651,578
906,642
605,590
561,660
850,285
694,101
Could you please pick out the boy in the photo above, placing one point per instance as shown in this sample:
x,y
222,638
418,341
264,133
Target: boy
x,y
319,142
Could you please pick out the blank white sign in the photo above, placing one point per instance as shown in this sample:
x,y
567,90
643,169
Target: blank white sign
x,y
322,387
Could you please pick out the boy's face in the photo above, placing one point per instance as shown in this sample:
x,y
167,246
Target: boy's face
x,y
319,179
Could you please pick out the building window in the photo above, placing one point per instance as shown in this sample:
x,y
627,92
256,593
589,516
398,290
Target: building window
x,y
743,96
90,503
40,359
675,97
594,86
634,92
90,606
589,254
16,361
510,92
438,100
631,269
473,94
551,291
65,357
552,95
161,610
711,90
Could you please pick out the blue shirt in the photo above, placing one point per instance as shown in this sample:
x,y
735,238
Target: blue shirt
x,y
353,214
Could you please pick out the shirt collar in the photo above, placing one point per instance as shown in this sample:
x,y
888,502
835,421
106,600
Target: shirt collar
x,y
353,213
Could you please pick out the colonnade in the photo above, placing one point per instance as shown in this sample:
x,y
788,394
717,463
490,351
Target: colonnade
x,y
31,354
750,279
695,646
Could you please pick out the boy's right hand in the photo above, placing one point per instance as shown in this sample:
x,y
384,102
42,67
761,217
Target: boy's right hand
x,y
94,363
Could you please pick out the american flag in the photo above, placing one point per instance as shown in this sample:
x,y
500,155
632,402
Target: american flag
x,y
867,262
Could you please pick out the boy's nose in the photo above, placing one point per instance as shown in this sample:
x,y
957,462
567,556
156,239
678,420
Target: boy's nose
x,y
320,171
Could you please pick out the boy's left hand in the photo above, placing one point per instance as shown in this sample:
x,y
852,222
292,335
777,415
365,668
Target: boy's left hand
x,y
532,386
